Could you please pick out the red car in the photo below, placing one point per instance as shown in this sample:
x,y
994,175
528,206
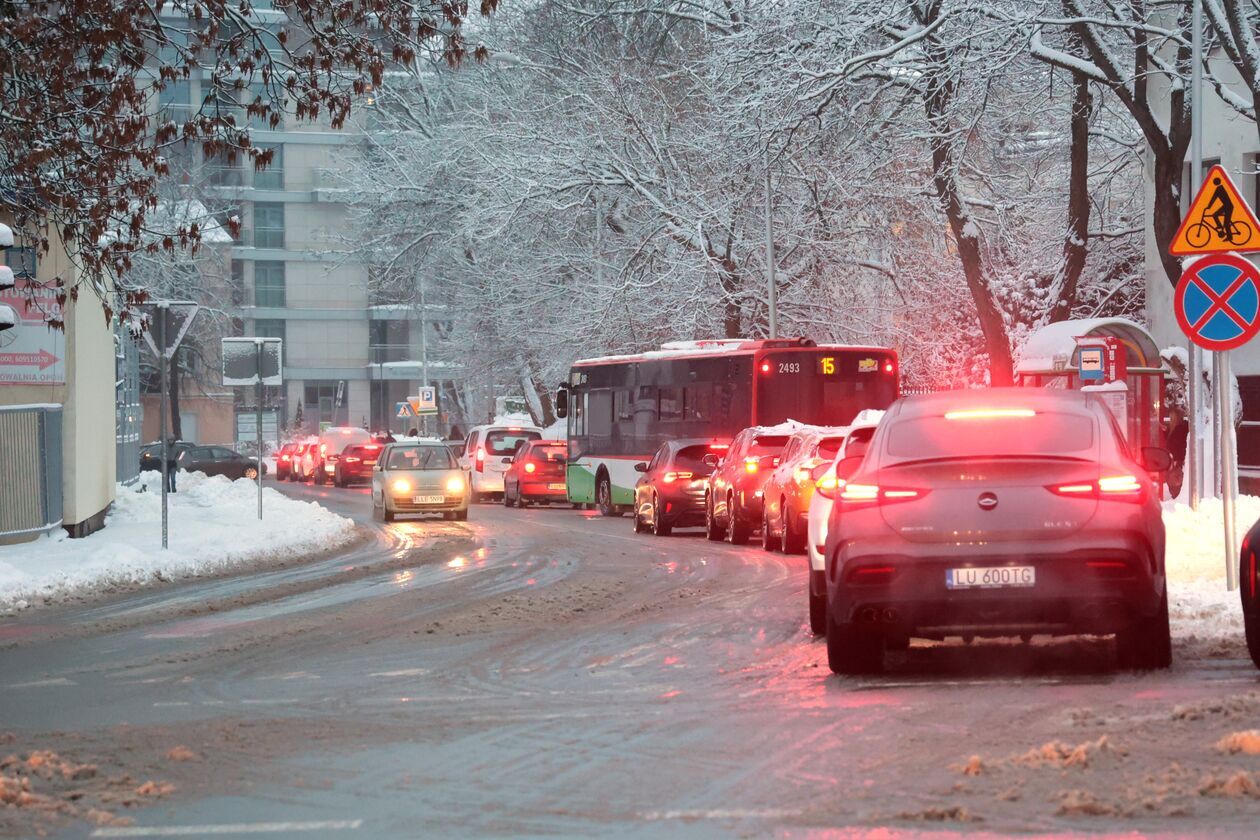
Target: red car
x,y
356,463
536,473
284,460
734,491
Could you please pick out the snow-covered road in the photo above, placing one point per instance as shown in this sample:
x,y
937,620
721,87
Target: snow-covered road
x,y
547,672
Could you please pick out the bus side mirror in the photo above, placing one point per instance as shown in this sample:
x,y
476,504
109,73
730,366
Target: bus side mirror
x,y
1156,458
562,402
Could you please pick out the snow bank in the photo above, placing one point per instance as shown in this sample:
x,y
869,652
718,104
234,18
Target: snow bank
x,y
213,526
1206,619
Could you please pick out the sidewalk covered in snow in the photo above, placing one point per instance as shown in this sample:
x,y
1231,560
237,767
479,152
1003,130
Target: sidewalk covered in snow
x,y
213,527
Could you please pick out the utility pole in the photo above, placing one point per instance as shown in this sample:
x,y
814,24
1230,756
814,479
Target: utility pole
x,y
163,309
1194,375
424,352
773,297
258,366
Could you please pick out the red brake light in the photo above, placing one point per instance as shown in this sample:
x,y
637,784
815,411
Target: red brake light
x,y
888,366
719,447
988,413
350,459
828,484
671,477
1121,488
530,466
765,367
481,459
323,449
751,465
864,495
372,447
284,457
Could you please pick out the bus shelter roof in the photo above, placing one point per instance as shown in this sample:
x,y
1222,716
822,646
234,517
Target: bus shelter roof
x,y
1052,349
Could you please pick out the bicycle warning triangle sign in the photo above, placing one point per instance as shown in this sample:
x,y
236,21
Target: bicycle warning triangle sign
x,y
1219,220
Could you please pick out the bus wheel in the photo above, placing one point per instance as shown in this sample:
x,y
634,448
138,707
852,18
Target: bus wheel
x,y
603,495
711,528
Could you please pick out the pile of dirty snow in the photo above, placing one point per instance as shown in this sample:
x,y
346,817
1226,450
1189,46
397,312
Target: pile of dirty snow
x,y
213,526
1206,619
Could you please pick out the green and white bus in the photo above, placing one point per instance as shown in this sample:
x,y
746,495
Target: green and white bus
x,y
620,409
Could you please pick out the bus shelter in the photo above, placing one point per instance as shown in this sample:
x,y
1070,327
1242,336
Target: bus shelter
x,y
1113,356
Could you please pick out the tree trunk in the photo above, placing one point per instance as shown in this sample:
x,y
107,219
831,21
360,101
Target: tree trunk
x,y
537,395
1076,243
937,95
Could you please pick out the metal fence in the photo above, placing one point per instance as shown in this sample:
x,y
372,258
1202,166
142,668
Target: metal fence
x,y
128,412
30,469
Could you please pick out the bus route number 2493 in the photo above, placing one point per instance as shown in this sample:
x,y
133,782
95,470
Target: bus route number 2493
x,y
789,367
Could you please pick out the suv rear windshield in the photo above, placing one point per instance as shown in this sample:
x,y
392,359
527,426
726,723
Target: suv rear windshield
x,y
550,451
692,457
829,447
368,451
767,444
434,457
1044,433
504,441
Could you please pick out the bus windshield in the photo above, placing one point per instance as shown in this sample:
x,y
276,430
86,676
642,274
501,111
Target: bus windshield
x,y
823,387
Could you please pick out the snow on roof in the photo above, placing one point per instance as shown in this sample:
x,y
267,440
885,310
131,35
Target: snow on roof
x,y
433,363
1058,341
514,418
867,417
680,349
8,317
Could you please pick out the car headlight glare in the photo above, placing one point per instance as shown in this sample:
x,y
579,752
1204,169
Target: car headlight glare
x,y
455,484
401,485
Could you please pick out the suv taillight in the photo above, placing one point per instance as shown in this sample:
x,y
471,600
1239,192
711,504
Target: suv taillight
x,y
866,495
1120,488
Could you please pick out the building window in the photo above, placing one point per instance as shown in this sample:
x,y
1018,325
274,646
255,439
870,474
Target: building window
x,y
174,102
321,399
389,341
238,282
22,260
268,225
269,328
224,170
269,283
271,178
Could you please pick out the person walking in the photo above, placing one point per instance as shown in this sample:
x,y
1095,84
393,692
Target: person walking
x,y
171,468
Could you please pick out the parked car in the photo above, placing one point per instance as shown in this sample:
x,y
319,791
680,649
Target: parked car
x,y
791,484
284,460
151,454
827,482
536,474
356,463
999,512
332,442
421,477
670,493
219,460
484,451
733,491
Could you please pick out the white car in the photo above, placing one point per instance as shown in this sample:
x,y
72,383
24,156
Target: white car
x,y
484,452
826,482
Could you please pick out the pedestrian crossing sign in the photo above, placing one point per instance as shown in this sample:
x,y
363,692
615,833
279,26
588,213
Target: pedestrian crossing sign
x,y
403,410
1219,220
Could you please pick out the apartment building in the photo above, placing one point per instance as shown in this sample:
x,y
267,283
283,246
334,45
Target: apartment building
x,y
348,358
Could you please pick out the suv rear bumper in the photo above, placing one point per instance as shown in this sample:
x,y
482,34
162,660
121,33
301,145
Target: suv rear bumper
x,y
1079,590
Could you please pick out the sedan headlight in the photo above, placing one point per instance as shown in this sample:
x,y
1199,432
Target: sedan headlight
x,y
401,485
455,484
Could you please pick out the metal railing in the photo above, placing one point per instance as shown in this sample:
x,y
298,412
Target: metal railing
x,y
30,469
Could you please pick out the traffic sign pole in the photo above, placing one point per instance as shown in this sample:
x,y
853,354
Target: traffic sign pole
x,y
1229,466
162,309
1217,305
1194,382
